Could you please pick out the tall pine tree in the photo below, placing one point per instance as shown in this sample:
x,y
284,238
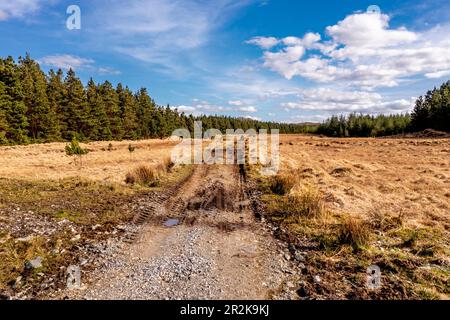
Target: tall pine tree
x,y
12,105
76,112
127,106
42,124
99,126
112,109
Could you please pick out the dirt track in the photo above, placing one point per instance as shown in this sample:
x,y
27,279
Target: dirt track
x,y
217,251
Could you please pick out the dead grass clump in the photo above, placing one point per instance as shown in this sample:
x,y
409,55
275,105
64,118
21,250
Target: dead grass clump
x,y
282,184
144,175
307,203
354,232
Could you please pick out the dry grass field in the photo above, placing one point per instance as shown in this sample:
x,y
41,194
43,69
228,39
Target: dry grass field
x,y
48,198
102,163
344,204
411,177
360,202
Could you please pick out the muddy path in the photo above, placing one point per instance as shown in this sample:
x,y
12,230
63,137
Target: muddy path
x,y
202,241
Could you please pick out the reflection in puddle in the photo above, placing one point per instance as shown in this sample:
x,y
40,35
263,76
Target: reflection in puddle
x,y
171,222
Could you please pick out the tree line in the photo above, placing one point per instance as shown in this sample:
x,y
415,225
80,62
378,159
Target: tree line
x,y
38,107
431,111
360,125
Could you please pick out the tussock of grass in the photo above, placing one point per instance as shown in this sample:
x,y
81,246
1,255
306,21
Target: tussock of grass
x,y
144,175
149,176
354,232
282,184
307,203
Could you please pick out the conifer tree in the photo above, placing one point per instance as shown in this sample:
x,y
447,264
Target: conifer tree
x,y
145,113
4,127
111,104
56,92
76,112
99,126
12,103
127,106
41,121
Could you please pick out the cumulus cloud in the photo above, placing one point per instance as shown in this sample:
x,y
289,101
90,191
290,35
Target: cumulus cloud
x,y
249,109
334,101
310,40
369,30
264,42
363,51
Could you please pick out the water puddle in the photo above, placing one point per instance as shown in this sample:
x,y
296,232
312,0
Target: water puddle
x,y
171,223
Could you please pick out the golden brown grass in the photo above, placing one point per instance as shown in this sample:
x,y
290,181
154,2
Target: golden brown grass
x,y
106,161
354,232
386,202
144,175
282,184
307,202
61,204
407,176
149,176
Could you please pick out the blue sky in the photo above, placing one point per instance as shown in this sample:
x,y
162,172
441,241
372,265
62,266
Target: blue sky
x,y
290,61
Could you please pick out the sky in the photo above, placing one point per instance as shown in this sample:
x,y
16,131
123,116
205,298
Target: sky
x,y
277,60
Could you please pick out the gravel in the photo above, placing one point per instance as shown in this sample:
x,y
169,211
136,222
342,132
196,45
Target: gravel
x,y
178,273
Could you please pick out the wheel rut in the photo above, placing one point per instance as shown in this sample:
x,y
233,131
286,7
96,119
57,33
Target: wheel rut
x,y
217,250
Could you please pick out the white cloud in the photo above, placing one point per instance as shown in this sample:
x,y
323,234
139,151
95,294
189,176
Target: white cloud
x,y
437,74
200,107
67,61
10,9
249,109
284,61
252,118
308,41
369,30
364,52
235,103
264,42
186,109
334,101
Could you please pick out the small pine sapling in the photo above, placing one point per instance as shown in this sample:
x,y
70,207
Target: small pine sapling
x,y
74,148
